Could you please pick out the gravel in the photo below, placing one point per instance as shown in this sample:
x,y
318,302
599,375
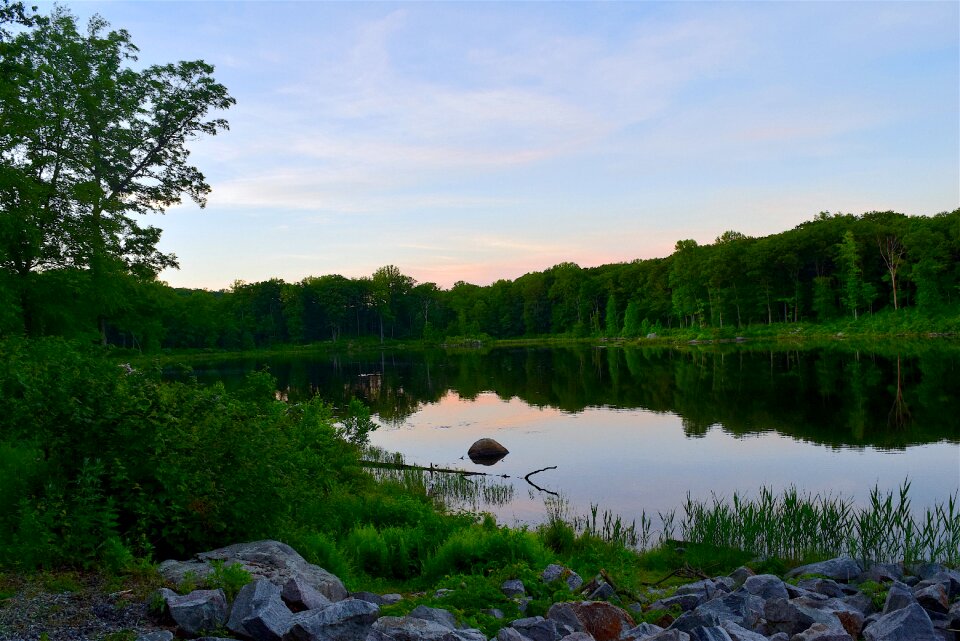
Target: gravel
x,y
87,613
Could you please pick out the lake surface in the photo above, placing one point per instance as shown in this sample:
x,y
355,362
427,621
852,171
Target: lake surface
x,y
636,429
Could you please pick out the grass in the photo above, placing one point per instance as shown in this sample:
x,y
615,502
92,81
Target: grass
x,y
799,526
453,491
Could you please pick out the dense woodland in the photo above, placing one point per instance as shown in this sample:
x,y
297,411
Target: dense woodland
x,y
85,155
834,266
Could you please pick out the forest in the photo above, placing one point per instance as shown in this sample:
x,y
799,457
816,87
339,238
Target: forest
x,y
87,156
835,266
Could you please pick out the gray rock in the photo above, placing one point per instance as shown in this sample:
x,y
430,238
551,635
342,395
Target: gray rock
x,y
933,598
272,560
300,595
860,602
741,574
821,632
780,636
603,592
713,633
513,587
162,598
251,596
442,592
159,635
899,596
641,632
796,591
843,568
411,629
578,636
523,603
574,581
553,572
496,613
510,634
951,580
926,570
739,633
706,587
906,624
369,597
784,616
831,612
198,612
882,573
827,587
537,628
345,620
437,615
766,586
725,583
953,616
741,607
391,598
685,602
670,635
259,612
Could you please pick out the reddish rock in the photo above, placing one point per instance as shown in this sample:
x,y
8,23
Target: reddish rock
x,y
605,621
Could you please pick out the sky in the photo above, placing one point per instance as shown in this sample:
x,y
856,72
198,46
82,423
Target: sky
x,y
480,141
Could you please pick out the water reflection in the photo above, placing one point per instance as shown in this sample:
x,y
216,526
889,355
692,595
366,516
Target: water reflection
x,y
635,429
832,397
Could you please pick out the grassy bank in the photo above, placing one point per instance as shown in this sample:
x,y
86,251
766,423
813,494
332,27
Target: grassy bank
x,y
107,470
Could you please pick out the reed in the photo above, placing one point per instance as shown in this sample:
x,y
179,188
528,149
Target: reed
x,y
455,491
795,525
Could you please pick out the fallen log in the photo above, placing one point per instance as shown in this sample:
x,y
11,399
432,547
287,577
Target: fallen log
x,y
431,468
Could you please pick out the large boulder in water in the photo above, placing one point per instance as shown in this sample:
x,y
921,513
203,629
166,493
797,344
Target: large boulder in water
x,y
486,451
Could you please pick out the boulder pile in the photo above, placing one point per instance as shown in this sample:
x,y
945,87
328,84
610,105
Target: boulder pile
x,y
837,600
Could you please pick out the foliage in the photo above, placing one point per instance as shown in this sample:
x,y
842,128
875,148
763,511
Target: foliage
x,y
830,274
89,142
165,467
800,526
229,578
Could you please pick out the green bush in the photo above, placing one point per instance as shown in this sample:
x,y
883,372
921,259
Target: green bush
x,y
93,453
480,549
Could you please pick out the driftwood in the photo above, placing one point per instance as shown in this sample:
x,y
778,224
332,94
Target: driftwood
x,y
450,470
619,590
686,571
542,489
431,468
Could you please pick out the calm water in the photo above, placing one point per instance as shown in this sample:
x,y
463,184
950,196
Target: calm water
x,y
635,429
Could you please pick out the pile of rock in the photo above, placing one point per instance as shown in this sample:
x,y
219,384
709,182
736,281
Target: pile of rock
x,y
292,600
823,603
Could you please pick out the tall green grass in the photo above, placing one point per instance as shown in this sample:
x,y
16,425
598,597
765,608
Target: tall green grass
x,y
454,491
795,525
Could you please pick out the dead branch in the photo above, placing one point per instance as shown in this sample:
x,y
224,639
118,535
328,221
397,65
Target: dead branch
x,y
542,489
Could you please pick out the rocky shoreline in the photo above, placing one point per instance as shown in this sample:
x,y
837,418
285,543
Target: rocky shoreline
x,y
291,600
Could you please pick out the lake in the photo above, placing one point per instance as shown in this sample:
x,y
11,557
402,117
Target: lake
x,y
636,429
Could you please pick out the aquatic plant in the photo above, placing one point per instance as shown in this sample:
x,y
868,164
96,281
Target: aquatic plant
x,y
454,490
796,525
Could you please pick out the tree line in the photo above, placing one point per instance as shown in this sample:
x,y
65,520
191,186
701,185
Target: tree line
x,y
90,143
831,267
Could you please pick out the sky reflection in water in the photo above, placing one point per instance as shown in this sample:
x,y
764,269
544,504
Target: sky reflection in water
x,y
629,460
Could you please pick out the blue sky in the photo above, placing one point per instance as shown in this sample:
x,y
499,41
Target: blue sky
x,y
477,141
